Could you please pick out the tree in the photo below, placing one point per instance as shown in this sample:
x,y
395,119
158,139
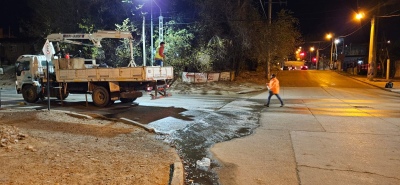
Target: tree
x,y
284,37
123,53
179,51
239,30
80,16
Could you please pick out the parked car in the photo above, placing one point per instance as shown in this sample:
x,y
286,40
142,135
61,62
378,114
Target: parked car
x,y
285,68
304,67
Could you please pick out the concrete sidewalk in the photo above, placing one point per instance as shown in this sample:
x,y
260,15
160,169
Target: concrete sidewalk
x,y
320,140
377,82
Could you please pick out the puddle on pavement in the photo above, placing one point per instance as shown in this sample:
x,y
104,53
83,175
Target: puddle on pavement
x,y
194,141
244,131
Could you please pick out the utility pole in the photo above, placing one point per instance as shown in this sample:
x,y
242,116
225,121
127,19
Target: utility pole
x,y
372,51
151,37
269,45
317,57
269,31
144,41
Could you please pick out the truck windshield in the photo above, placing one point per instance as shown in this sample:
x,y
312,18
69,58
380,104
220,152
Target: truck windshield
x,y
21,66
44,63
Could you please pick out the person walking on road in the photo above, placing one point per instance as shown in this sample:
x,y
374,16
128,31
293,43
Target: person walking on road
x,y
273,87
160,57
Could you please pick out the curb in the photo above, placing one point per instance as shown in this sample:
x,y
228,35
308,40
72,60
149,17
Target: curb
x,y
125,120
383,88
177,174
75,114
177,170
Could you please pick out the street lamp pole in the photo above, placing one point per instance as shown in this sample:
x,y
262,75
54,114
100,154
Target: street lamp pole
x,y
144,41
151,37
160,32
330,36
317,61
160,25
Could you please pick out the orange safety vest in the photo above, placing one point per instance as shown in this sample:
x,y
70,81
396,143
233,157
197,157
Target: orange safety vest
x,y
158,55
274,85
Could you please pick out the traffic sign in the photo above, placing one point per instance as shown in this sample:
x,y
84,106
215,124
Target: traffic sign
x,y
48,50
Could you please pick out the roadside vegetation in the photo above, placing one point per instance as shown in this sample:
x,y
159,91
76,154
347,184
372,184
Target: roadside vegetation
x,y
201,35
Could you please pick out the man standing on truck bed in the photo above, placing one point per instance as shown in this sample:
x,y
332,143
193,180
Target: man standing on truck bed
x,y
160,57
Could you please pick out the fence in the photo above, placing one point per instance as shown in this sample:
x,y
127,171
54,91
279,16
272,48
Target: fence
x,y
207,77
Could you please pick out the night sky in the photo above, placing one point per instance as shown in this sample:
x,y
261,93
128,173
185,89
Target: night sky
x,y
317,17
11,12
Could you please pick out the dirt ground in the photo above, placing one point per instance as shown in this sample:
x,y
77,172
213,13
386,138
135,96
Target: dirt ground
x,y
42,147
54,147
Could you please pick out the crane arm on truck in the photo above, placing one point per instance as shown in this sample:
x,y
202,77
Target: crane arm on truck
x,y
95,38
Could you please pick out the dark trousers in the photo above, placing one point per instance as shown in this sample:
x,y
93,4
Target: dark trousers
x,y
277,95
159,62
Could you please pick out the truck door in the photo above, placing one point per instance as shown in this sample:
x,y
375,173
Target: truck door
x,y
23,70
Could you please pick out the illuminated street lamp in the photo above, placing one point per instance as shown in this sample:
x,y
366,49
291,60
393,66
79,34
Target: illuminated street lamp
x,y
359,16
337,41
329,36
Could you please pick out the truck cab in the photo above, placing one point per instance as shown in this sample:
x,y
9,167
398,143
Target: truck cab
x,y
29,69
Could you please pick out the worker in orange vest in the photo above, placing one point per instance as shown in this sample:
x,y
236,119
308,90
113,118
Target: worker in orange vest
x,y
160,57
273,87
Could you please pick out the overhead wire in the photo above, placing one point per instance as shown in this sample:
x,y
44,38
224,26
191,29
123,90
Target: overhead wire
x,y
262,6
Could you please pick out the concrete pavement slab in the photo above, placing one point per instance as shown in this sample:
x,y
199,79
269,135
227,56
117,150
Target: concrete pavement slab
x,y
366,125
290,121
310,92
392,120
313,176
335,157
271,162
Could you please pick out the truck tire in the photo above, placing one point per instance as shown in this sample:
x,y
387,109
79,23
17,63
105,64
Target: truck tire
x,y
111,103
101,96
65,96
30,94
127,100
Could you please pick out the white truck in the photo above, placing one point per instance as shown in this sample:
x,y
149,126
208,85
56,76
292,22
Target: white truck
x,y
72,75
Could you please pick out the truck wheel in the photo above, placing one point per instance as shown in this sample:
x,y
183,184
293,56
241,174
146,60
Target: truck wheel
x,y
100,96
127,100
65,96
111,103
30,94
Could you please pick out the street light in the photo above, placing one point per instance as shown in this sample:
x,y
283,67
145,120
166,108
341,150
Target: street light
x,y
337,41
160,27
359,15
329,36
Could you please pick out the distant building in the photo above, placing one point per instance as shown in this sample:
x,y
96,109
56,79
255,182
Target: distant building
x,y
355,59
